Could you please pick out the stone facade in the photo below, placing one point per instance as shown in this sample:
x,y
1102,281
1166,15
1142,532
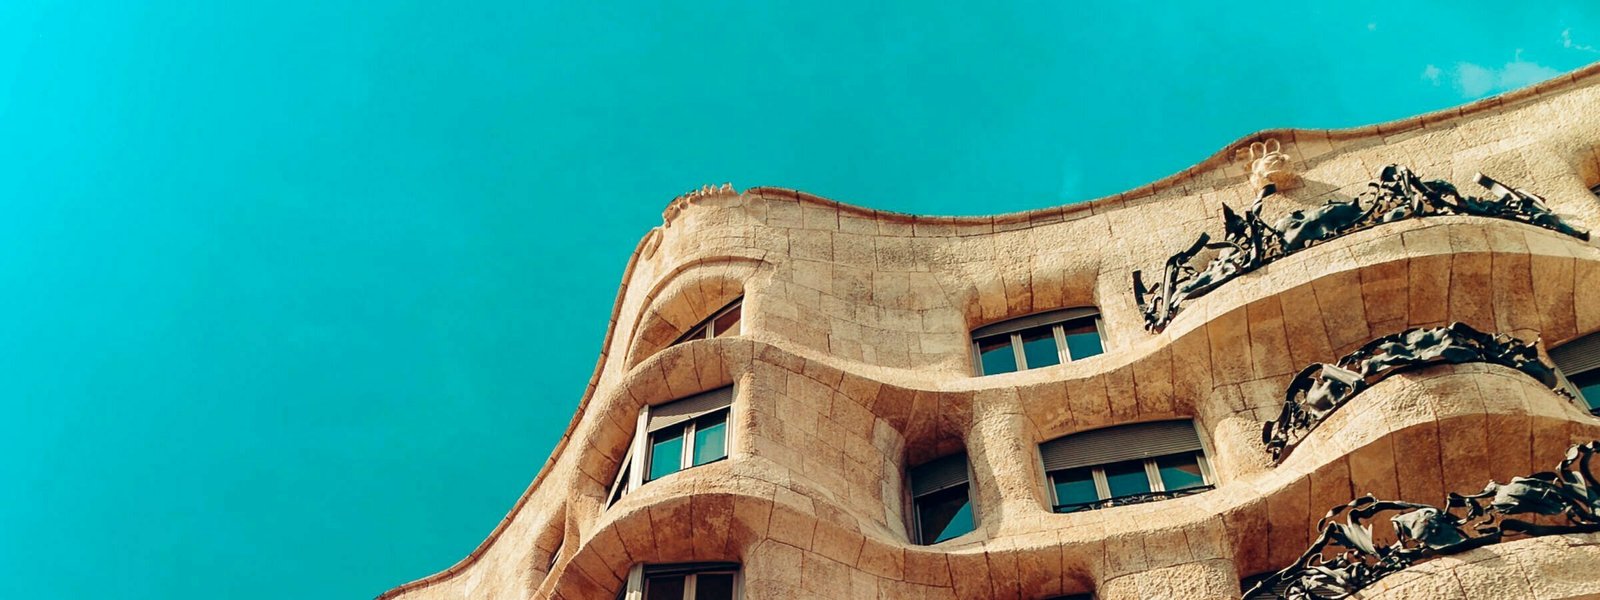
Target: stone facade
x,y
855,361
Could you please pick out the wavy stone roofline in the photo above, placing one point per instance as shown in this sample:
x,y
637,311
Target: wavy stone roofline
x,y
1217,161
1222,160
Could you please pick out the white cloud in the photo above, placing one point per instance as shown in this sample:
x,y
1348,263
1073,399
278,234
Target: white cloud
x,y
1431,74
1475,81
1566,42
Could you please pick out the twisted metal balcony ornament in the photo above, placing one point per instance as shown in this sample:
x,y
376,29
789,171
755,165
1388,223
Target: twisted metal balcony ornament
x,y
1322,388
1345,558
1249,242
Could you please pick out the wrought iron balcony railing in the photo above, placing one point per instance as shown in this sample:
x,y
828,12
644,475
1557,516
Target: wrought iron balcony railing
x,y
1131,499
1249,242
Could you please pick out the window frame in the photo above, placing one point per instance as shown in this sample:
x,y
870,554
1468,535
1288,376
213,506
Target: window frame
x,y
636,460
1584,346
706,328
1201,450
1014,338
555,557
686,451
1152,472
621,486
1592,406
916,510
633,586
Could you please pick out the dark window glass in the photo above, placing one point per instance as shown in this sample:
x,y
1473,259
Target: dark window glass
x,y
1039,347
1083,339
1127,478
996,355
1180,471
713,586
666,452
944,514
698,333
664,587
728,323
1588,385
1074,487
711,438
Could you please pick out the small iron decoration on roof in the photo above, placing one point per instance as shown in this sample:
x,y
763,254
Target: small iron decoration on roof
x,y
1249,242
1322,388
1345,558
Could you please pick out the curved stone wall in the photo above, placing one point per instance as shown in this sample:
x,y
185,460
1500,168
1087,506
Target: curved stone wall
x,y
854,360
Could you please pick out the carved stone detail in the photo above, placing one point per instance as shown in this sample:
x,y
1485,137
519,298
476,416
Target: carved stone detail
x,y
1345,558
1269,165
702,193
1249,242
1322,388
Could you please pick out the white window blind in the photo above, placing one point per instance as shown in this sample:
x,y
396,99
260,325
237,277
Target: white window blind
x,y
681,411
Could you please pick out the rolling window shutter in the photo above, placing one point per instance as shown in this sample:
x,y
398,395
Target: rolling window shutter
x,y
1123,442
680,411
688,568
1579,355
939,474
1034,320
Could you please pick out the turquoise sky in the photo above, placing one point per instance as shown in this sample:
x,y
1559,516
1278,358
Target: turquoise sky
x,y
298,295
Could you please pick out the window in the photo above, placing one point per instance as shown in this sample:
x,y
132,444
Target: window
x,y
555,556
723,323
701,440
620,487
1125,465
690,581
675,436
1578,362
942,500
1035,341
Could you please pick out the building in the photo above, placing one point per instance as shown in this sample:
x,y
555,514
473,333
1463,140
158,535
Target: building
x,y
799,398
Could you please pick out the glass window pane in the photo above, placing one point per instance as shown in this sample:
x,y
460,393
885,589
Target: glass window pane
x,y
1588,385
711,438
1180,471
728,323
1074,487
944,514
1127,478
1083,339
996,356
1039,347
713,586
666,452
699,332
664,587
